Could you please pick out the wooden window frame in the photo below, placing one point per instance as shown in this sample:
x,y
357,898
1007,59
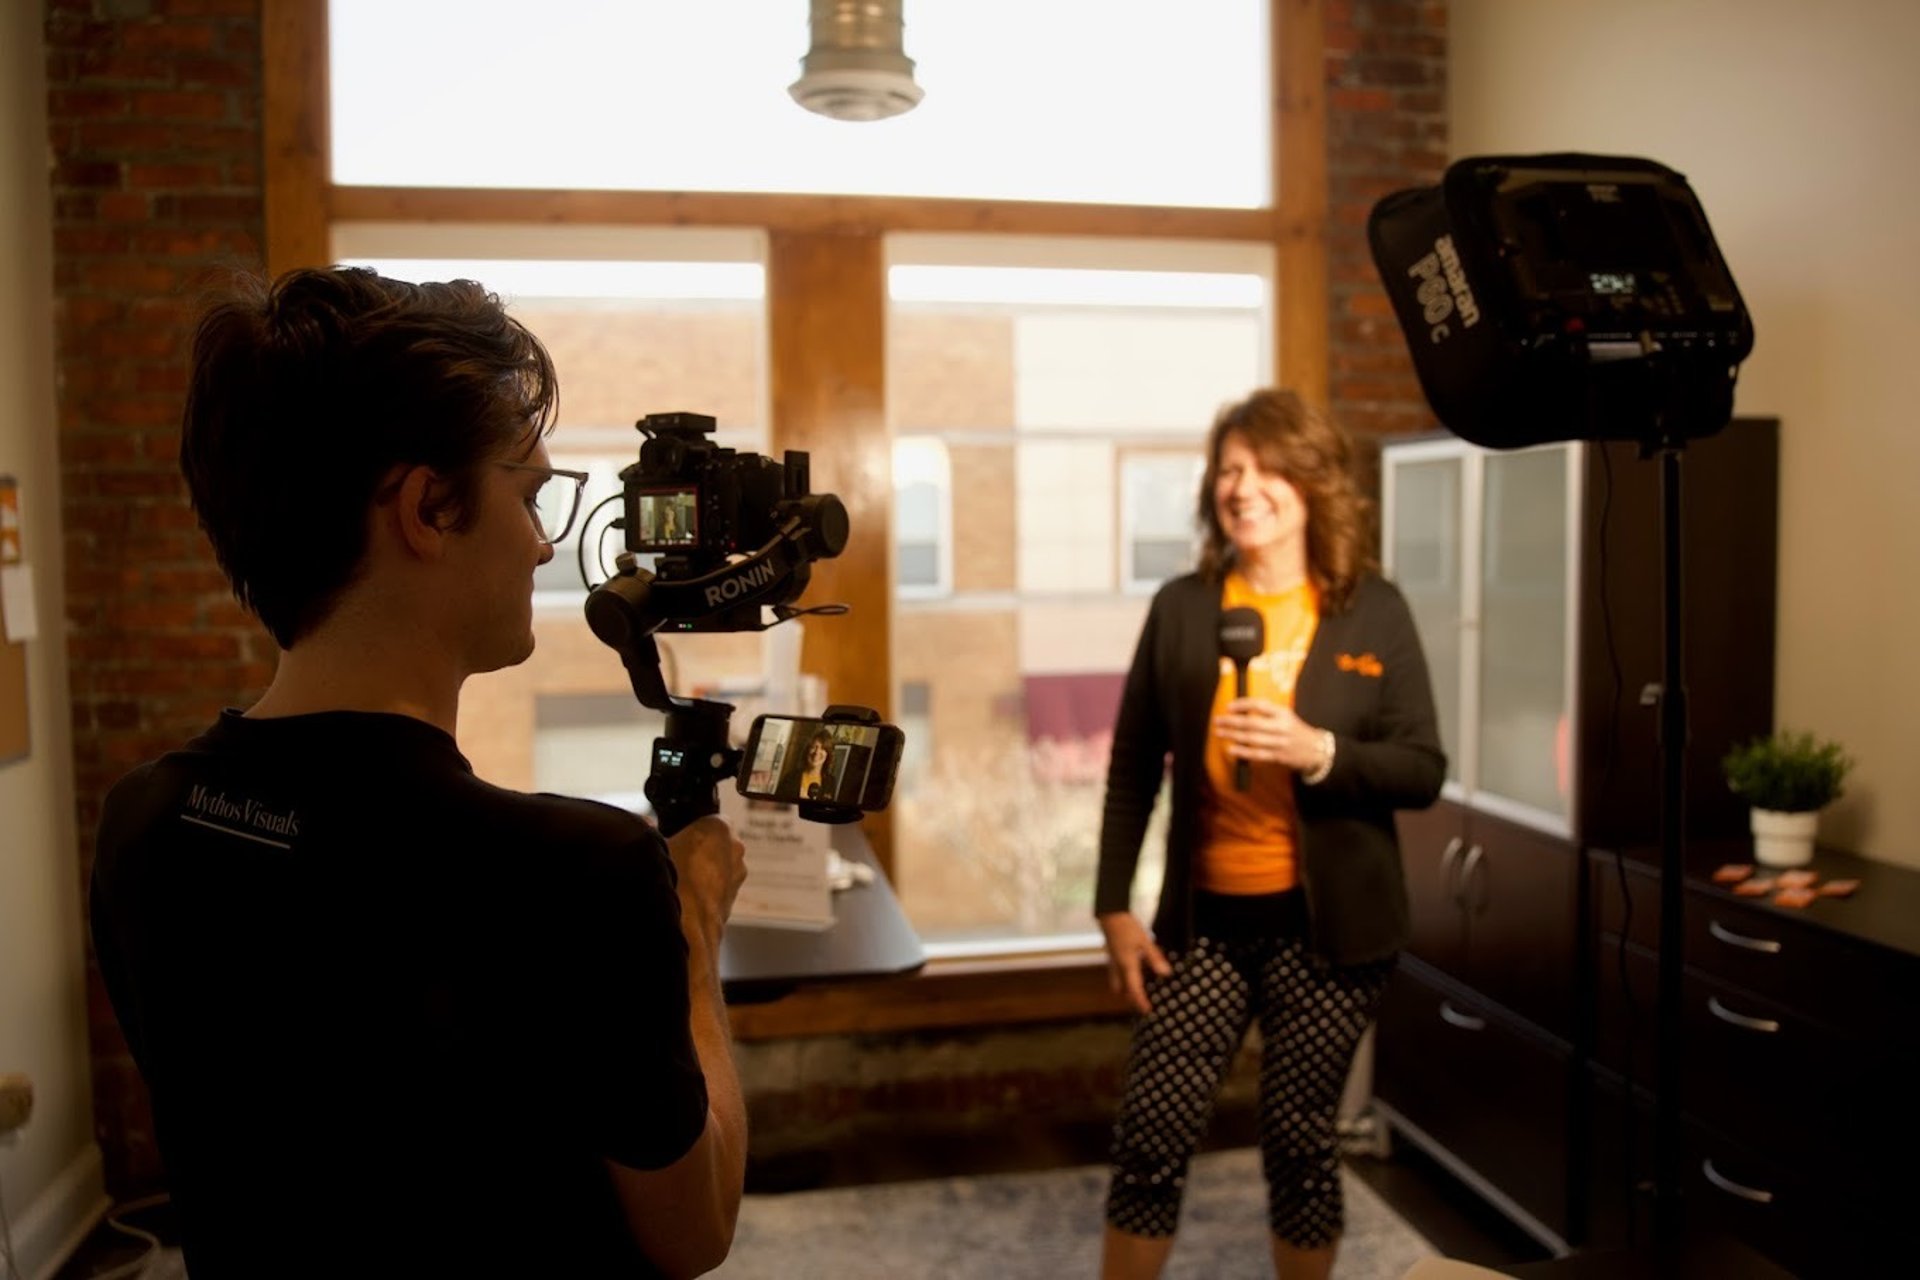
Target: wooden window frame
x,y
827,375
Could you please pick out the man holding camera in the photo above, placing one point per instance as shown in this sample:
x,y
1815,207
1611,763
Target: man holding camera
x,y
394,1020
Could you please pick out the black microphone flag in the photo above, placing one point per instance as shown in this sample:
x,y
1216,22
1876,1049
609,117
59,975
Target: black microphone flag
x,y
1243,637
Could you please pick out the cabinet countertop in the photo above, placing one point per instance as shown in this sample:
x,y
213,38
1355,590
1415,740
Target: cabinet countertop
x,y
1884,911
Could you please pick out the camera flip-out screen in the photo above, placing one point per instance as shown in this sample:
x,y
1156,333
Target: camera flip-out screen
x,y
669,519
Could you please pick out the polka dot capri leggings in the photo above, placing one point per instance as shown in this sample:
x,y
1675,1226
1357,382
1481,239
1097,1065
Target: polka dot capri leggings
x,y
1311,1017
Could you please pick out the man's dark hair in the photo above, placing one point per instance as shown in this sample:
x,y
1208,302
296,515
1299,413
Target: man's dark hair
x,y
305,395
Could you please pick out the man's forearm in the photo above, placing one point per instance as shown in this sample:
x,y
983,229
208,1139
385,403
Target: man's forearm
x,y
713,1042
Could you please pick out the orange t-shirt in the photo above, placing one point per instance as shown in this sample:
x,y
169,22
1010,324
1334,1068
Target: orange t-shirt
x,y
1247,837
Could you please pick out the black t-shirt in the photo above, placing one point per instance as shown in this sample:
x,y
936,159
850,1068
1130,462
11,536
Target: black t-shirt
x,y
392,1017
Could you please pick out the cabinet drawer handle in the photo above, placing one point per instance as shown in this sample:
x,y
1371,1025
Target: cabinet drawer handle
x,y
1733,939
1465,1021
1725,1014
1447,857
1733,1188
1466,876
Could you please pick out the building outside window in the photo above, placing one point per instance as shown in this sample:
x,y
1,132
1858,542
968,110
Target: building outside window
x,y
1069,386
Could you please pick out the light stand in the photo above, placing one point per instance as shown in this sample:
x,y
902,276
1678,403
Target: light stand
x,y
1668,1217
1577,297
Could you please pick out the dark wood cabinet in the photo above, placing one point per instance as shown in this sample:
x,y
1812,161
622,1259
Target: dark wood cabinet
x,y
1485,1091
1535,580
1798,1057
1494,906
1474,1051
1520,898
1431,844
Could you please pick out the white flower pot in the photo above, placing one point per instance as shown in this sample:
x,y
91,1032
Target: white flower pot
x,y
1784,839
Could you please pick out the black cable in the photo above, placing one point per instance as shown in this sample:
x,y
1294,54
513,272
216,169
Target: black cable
x,y
599,550
6,1240
138,1267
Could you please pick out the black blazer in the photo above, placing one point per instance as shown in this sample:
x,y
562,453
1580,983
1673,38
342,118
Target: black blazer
x,y
1365,679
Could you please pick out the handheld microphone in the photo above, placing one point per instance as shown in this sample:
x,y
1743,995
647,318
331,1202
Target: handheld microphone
x,y
1243,636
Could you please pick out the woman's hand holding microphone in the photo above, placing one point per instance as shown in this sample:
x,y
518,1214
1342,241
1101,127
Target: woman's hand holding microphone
x,y
1269,733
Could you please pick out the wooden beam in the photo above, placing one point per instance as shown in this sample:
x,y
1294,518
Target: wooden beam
x,y
849,215
827,322
294,125
1300,196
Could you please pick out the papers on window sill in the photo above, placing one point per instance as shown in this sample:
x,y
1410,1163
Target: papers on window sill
x,y
788,884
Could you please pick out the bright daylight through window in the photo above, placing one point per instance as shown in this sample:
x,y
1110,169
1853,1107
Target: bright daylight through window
x,y
1105,101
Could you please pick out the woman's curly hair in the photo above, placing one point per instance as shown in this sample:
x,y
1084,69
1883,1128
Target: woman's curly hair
x,y
1316,458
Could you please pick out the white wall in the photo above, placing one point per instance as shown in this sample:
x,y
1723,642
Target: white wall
x,y
50,1177
1794,123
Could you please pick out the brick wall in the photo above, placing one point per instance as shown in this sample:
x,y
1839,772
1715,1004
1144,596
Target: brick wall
x,y
1386,130
153,111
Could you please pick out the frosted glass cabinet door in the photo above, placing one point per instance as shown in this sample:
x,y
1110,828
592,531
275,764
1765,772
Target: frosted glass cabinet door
x,y
1426,560
1525,738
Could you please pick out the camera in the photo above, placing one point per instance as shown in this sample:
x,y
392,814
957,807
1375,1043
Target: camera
x,y
734,535
700,508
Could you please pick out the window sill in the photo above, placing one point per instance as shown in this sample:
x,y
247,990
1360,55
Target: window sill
x,y
972,992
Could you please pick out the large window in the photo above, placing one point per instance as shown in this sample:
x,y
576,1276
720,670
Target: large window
x,y
1068,386
1049,375
637,321
1111,101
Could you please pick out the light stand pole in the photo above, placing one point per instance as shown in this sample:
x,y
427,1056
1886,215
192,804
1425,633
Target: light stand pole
x,y
1668,1215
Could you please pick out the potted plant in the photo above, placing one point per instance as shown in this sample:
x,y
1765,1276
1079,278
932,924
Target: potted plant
x,y
1788,779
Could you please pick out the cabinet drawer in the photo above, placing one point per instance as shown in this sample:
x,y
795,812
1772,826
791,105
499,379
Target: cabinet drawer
x,y
1811,1222
1776,1082
1860,991
1793,1214
1759,1072
1492,1091
1791,959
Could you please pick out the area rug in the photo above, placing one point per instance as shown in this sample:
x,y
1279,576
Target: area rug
x,y
1016,1225
1042,1225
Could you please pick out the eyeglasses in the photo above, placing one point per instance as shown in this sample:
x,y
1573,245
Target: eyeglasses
x,y
556,504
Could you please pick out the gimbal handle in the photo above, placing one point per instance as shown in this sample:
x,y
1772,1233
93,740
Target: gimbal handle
x,y
693,756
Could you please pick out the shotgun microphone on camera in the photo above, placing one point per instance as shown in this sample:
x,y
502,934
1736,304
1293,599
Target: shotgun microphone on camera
x,y
1243,636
